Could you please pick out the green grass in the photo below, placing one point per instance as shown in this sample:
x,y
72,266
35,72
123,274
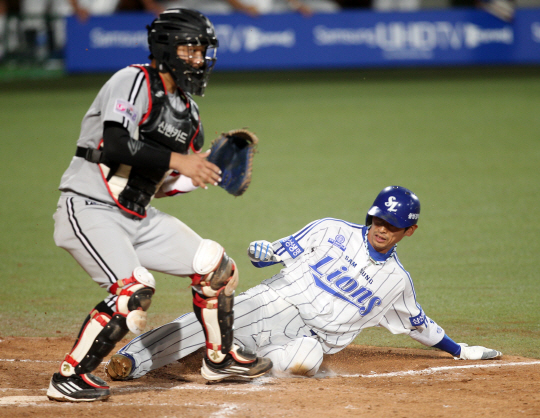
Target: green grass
x,y
465,140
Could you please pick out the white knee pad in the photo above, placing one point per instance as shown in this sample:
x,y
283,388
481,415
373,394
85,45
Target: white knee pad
x,y
207,256
214,270
300,357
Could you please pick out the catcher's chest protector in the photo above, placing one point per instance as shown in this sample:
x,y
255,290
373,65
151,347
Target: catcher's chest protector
x,y
163,127
167,127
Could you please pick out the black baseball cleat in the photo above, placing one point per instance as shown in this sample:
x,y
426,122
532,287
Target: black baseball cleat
x,y
239,362
120,366
77,388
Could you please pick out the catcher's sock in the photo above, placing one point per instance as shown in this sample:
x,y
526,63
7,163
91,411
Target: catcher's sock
x,y
77,388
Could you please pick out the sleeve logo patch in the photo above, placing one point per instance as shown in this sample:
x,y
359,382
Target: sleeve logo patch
x,y
418,320
126,109
292,247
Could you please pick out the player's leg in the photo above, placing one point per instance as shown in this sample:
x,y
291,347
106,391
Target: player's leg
x,y
262,318
214,283
300,357
272,326
173,341
214,279
92,235
33,14
157,348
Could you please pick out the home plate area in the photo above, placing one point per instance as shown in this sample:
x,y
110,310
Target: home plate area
x,y
359,381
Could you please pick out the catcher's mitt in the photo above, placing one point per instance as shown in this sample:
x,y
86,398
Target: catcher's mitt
x,y
233,153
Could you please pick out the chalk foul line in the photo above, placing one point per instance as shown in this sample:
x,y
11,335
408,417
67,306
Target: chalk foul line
x,y
432,370
28,361
43,400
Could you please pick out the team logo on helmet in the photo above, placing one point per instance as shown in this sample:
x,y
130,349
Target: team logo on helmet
x,y
391,204
396,205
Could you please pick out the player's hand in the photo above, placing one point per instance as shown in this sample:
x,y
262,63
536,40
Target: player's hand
x,y
477,353
196,167
262,251
301,8
82,14
250,11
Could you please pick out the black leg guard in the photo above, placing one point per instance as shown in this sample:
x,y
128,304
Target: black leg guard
x,y
224,271
213,298
226,321
104,343
216,315
106,326
96,340
225,318
100,307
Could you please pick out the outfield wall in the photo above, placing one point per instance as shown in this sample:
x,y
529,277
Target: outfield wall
x,y
349,39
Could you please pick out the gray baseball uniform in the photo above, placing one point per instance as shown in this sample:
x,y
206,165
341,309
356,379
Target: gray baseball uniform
x,y
143,122
105,240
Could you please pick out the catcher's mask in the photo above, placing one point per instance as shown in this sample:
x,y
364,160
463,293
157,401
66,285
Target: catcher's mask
x,y
396,205
188,27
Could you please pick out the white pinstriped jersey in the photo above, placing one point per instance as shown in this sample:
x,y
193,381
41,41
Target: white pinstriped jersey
x,y
341,285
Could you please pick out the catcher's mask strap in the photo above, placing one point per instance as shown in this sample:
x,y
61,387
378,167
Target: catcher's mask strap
x,y
89,154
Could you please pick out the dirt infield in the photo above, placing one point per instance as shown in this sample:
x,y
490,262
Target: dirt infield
x,y
359,381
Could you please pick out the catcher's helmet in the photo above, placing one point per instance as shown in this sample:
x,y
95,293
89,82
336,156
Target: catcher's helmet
x,y
188,27
396,205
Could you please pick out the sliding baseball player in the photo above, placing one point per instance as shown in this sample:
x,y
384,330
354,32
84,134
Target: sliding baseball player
x,y
338,278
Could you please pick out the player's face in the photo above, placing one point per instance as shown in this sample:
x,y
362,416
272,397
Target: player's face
x,y
382,236
193,55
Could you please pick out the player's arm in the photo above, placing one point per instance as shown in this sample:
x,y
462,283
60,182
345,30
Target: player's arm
x,y
244,8
406,316
120,148
197,168
300,7
81,13
175,184
263,253
460,351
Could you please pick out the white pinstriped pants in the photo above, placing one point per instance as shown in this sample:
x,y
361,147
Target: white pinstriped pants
x,y
264,322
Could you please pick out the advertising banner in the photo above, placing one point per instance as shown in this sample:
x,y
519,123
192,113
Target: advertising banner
x,y
349,39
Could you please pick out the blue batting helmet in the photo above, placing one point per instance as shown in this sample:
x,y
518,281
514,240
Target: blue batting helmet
x,y
396,205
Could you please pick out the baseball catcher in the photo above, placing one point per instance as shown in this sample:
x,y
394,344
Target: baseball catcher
x,y
142,138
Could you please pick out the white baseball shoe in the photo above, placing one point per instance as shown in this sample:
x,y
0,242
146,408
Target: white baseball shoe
x,y
477,352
